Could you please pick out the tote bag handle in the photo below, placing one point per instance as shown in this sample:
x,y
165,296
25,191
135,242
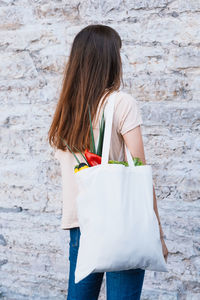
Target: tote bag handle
x,y
109,111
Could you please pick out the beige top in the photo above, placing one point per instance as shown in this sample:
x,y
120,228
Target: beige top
x,y
126,117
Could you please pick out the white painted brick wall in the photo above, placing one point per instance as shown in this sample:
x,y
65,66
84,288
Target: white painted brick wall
x,y
161,63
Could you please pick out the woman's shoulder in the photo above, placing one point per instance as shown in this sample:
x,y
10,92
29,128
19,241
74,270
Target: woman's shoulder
x,y
125,98
127,113
125,103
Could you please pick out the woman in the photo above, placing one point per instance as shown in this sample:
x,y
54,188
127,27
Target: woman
x,y
93,71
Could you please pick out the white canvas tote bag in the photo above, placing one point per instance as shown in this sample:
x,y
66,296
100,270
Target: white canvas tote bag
x,y
118,225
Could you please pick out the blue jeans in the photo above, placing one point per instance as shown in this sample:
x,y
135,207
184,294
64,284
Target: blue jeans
x,y
120,285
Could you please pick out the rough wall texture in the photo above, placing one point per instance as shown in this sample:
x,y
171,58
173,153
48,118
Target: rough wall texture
x,y
161,60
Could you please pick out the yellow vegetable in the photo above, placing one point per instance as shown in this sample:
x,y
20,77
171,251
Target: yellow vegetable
x,y
80,167
85,167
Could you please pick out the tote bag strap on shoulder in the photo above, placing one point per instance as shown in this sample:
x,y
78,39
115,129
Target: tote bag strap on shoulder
x,y
109,111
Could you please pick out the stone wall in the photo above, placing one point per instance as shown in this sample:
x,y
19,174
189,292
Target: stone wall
x,y
161,64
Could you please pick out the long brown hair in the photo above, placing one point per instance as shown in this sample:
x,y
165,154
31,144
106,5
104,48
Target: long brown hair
x,y
93,70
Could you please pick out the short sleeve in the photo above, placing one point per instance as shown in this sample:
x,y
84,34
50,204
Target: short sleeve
x,y
128,115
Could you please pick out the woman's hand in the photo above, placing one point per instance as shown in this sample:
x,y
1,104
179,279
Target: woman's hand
x,y
164,249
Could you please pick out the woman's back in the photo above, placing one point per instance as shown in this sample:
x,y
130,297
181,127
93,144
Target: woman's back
x,y
126,117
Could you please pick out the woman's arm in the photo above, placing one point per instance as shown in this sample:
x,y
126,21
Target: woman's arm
x,y
133,140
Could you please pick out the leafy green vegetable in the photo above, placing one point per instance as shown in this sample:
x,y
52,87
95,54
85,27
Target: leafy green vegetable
x,y
78,161
92,141
118,162
101,135
136,160
82,155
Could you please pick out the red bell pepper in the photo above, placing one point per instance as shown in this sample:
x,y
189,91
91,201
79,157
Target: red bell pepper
x,y
92,158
